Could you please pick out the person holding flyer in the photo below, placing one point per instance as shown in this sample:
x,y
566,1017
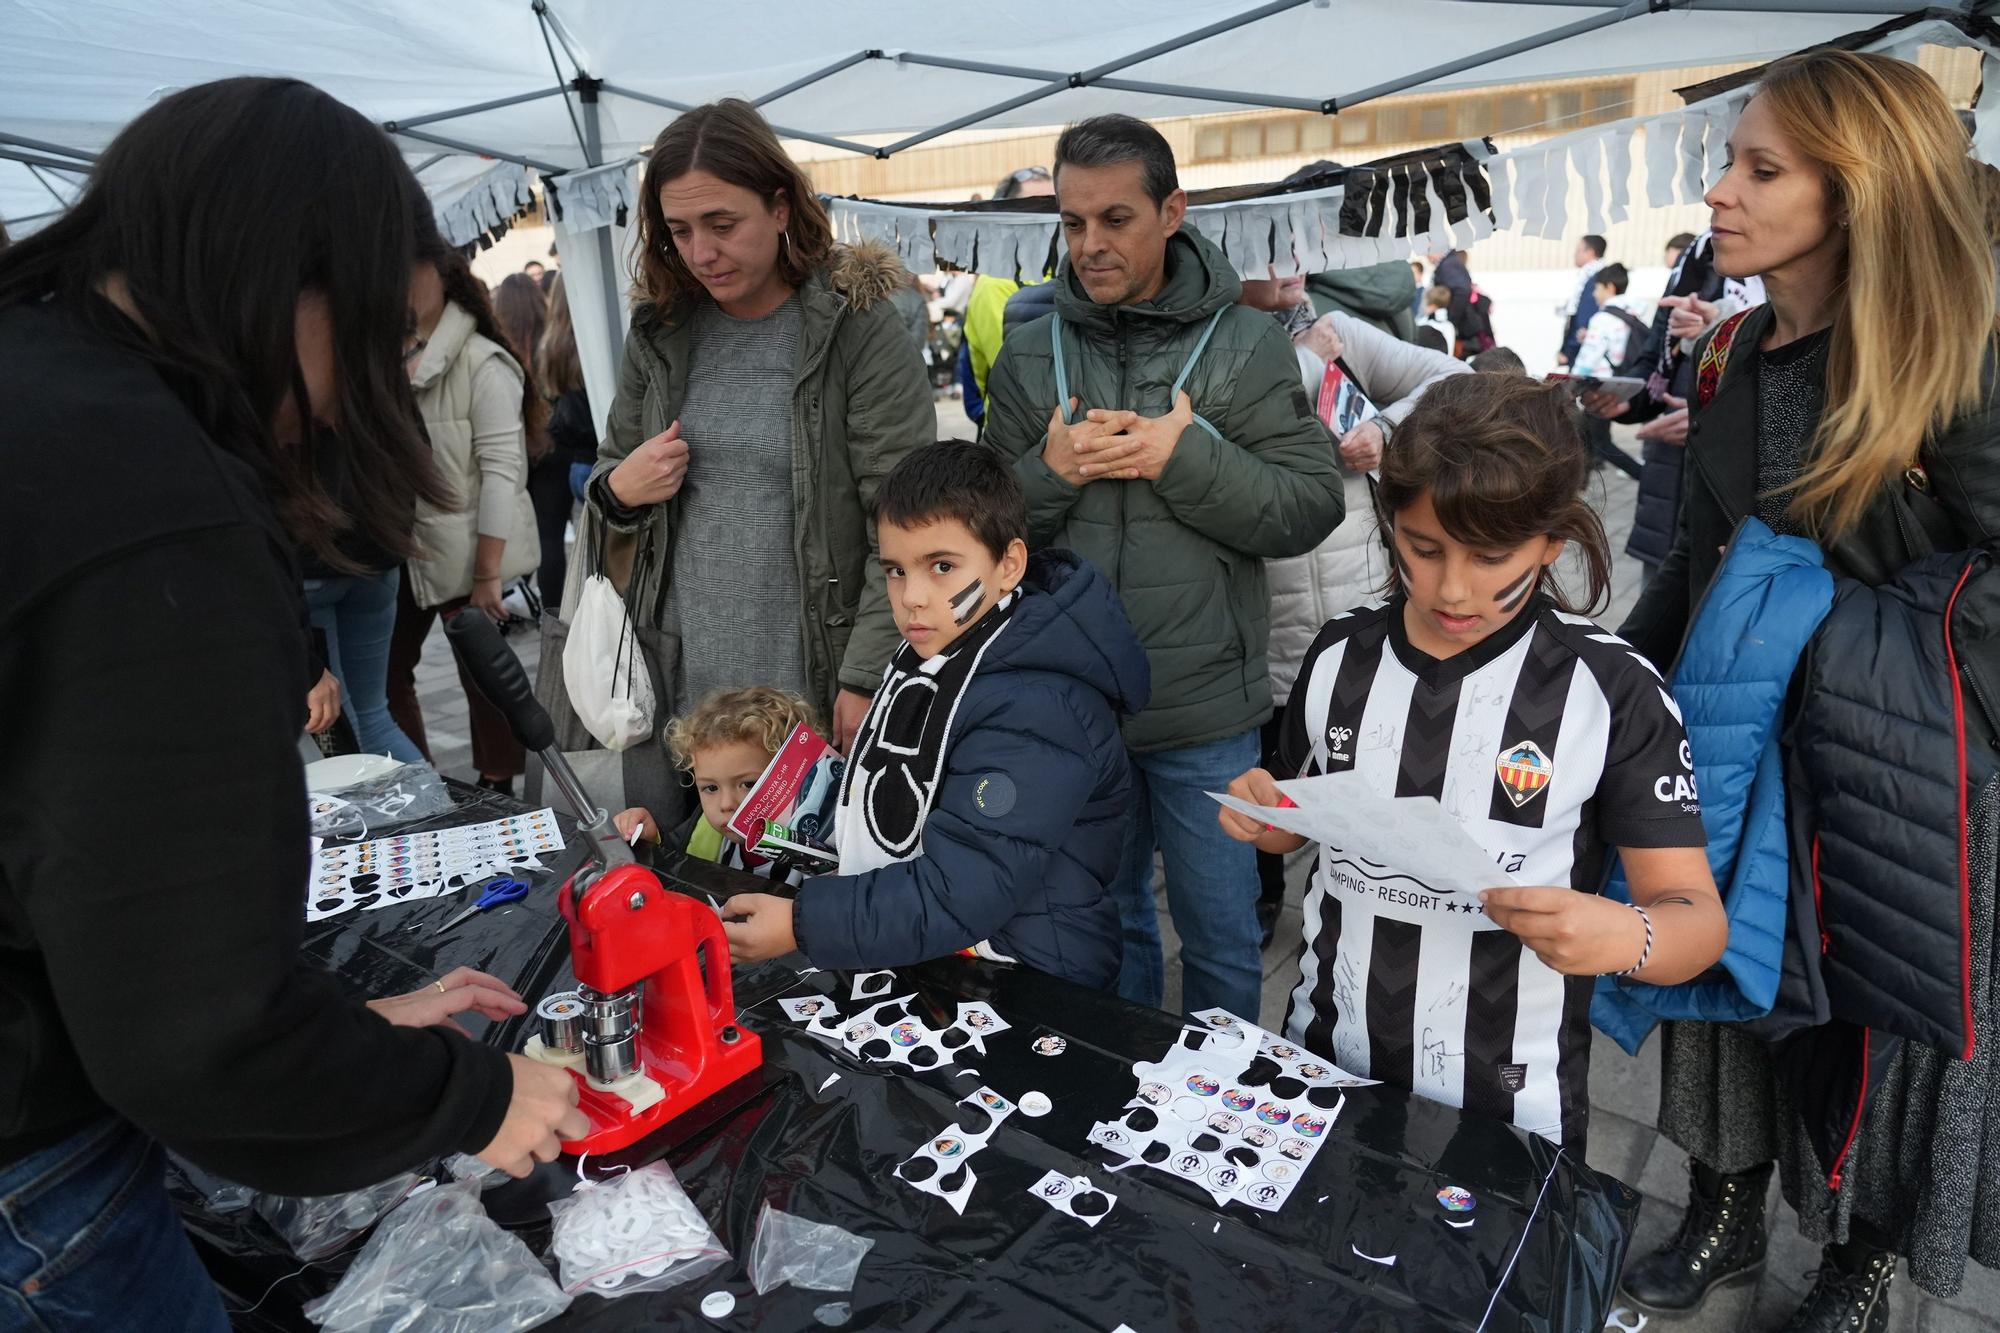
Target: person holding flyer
x,y
1362,382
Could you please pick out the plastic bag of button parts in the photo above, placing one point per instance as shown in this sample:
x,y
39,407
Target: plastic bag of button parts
x,y
320,1225
440,1264
404,793
815,1255
633,1232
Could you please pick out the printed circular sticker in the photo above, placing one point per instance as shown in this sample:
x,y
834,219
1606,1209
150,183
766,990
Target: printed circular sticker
x,y
1314,1071
1271,1113
1260,1136
1266,1193
1285,1052
861,1031
1202,1085
948,1146
1284,1173
906,1034
1225,1177
1057,1187
1220,1022
1224,1123
1238,1100
1049,1045
1296,1149
1189,1163
1155,1094
1310,1125
992,1099
1457,1199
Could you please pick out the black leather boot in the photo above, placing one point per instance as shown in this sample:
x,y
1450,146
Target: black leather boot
x,y
1721,1239
1850,1294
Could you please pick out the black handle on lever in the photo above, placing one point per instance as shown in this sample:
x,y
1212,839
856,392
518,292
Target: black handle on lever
x,y
500,677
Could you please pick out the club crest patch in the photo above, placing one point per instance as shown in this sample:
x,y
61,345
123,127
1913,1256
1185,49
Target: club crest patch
x,y
1524,772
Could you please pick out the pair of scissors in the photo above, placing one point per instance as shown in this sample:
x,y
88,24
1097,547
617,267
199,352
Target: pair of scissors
x,y
498,893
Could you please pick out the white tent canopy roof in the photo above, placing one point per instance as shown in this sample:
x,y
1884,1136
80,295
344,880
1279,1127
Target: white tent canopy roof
x,y
72,72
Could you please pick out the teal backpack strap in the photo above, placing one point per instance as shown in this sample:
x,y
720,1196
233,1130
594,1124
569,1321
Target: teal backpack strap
x,y
1062,370
1200,346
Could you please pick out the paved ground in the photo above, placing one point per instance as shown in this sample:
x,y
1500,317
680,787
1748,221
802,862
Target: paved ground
x,y
1624,1091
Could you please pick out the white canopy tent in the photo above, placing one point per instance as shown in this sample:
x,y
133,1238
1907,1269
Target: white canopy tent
x,y
477,89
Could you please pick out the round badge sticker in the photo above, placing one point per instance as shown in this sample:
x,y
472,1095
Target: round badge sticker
x,y
1296,1149
1310,1125
1284,1173
948,1146
1285,1052
1155,1094
906,1034
1049,1045
861,1031
1221,1022
1224,1123
1189,1163
1224,1177
1056,1187
1273,1114
1238,1100
990,1098
1111,1137
1457,1199
1036,1104
1266,1193
1202,1085
1259,1136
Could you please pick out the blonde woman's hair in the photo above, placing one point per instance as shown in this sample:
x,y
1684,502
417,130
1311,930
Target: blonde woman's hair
x,y
1914,314
758,716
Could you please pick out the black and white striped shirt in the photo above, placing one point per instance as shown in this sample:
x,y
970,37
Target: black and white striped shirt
x,y
1552,742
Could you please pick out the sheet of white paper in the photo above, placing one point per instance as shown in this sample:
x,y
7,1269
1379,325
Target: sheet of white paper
x,y
1408,837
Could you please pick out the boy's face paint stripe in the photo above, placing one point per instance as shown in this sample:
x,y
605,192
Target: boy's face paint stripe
x,y
966,605
1515,593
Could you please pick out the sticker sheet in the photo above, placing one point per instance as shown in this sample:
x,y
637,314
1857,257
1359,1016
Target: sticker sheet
x,y
1074,1195
403,869
942,1166
1235,1109
887,1030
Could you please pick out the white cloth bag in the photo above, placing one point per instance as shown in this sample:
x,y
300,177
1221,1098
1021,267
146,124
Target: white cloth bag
x,y
608,685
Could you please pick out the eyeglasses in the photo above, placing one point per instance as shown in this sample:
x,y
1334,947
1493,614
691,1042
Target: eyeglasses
x,y
1026,174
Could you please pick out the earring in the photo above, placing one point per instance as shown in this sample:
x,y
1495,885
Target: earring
x,y
785,239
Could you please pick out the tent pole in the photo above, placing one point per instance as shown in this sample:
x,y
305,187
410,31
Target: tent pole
x,y
814,77
83,159
1213,94
607,253
424,136
54,193
1603,19
37,160
783,132
477,107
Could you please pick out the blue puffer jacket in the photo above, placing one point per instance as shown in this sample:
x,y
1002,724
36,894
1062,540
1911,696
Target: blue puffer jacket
x,y
1748,636
1028,823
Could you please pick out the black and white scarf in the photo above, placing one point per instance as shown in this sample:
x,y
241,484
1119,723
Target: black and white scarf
x,y
899,752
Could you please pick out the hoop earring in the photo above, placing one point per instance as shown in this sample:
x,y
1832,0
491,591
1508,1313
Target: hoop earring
x,y
785,240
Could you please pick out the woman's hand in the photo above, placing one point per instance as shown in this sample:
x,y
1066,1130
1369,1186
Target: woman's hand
x,y
540,1114
322,703
758,926
1361,448
653,472
486,598
1604,404
1578,934
455,992
1320,340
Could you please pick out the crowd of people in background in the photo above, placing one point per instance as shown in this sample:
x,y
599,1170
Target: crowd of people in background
x,y
1216,531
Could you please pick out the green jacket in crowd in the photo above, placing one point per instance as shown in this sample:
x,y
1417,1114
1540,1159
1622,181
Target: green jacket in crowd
x,y
1186,552
860,402
1378,293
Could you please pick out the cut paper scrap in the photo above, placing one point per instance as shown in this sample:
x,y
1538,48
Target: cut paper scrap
x,y
1404,841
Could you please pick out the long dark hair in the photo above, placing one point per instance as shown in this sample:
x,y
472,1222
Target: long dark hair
x,y
464,289
522,308
561,369
218,208
1504,461
735,144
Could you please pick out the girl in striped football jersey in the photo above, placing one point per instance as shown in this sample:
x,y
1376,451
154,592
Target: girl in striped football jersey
x,y
1478,683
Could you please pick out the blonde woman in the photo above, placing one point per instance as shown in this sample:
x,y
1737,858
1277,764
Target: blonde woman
x,y
1851,192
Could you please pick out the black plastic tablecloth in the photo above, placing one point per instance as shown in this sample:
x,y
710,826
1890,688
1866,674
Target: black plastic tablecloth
x,y
1549,1239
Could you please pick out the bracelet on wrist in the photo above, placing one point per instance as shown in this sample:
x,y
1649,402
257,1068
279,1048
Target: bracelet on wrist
x,y
1646,952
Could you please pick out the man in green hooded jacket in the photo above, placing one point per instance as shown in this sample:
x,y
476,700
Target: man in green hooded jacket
x,y
1159,429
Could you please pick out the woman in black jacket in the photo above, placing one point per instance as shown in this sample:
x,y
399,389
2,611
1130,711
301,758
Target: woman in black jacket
x,y
228,300
1869,370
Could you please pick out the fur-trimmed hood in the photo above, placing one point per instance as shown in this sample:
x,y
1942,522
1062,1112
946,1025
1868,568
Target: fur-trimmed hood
x,y
866,274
